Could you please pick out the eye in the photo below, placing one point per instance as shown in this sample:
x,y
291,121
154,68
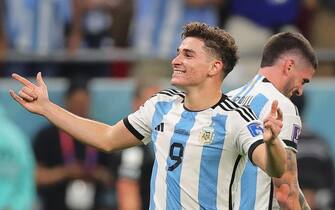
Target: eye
x,y
305,81
188,55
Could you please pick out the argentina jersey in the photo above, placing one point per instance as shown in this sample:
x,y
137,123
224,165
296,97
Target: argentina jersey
x,y
256,188
199,155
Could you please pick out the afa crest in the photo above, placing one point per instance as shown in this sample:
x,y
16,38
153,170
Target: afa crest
x,y
207,135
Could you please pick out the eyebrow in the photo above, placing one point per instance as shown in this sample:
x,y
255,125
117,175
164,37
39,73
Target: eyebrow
x,y
186,50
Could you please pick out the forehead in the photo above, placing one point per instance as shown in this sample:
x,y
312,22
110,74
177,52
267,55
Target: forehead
x,y
307,72
192,43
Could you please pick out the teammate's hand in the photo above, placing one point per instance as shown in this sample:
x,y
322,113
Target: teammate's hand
x,y
273,123
32,97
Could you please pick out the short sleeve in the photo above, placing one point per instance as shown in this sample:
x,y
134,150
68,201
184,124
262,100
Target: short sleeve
x,y
291,123
291,131
248,135
139,122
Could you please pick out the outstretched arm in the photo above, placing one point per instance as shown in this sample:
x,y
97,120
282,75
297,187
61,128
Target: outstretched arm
x,y
287,191
35,99
271,156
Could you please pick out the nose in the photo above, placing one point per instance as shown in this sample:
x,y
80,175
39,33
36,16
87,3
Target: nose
x,y
300,90
176,60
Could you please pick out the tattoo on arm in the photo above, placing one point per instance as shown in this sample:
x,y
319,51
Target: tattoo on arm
x,y
288,193
291,162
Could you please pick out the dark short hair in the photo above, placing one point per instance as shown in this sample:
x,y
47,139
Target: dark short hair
x,y
217,40
285,42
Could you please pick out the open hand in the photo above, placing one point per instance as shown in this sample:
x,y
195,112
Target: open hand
x,y
32,97
273,123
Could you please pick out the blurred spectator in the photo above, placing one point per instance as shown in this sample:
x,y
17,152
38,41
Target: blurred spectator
x,y
315,166
3,43
100,19
105,24
17,186
157,29
133,185
70,175
251,23
37,26
322,32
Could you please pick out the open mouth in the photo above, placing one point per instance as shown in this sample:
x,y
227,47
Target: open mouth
x,y
178,71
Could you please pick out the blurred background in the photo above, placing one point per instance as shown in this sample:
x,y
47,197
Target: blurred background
x,y
111,49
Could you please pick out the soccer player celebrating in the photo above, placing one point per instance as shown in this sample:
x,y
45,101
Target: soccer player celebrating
x,y
201,138
287,64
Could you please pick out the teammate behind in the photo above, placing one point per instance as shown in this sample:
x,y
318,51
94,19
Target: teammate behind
x,y
288,63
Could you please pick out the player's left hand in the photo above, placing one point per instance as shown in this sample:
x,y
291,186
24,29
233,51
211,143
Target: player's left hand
x,y
273,123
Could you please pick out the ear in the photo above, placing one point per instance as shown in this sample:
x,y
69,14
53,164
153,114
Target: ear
x,y
216,68
288,66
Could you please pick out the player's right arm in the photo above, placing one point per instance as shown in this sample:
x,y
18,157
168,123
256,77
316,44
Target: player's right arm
x,y
105,137
287,190
288,193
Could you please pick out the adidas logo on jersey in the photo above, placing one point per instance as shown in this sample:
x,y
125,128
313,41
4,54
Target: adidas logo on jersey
x,y
160,127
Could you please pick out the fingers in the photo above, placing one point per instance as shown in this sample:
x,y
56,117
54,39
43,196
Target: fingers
x,y
23,81
29,92
39,79
279,114
16,97
273,124
274,108
25,96
276,111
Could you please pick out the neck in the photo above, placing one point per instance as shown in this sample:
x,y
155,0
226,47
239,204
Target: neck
x,y
197,99
274,76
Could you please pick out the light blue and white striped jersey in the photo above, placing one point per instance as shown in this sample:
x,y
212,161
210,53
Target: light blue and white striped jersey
x,y
256,190
199,155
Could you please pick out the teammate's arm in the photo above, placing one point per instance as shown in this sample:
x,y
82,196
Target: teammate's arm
x,y
128,183
105,137
302,200
271,156
128,194
287,191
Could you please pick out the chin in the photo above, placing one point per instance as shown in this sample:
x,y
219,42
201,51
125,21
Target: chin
x,y
178,84
175,82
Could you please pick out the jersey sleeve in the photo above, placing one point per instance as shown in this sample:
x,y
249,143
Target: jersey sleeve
x,y
139,122
291,131
249,134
